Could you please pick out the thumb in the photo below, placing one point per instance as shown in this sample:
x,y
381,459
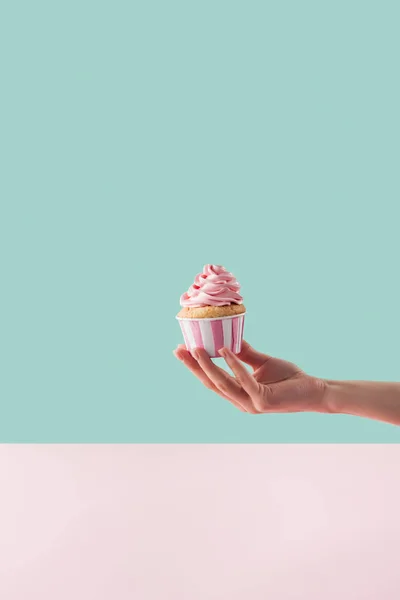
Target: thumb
x,y
252,357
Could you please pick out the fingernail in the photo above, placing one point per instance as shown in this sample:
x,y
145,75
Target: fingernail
x,y
195,353
222,351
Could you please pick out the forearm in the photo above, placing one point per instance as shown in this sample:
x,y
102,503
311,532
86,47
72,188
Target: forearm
x,y
369,399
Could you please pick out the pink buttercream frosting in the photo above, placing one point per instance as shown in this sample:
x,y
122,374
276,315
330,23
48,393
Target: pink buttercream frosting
x,y
215,286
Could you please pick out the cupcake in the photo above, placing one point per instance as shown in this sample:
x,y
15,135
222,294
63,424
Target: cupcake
x,y
212,313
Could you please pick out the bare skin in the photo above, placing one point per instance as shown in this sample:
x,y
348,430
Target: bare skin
x,y
278,386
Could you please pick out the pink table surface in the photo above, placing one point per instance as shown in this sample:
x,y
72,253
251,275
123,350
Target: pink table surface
x,y
199,522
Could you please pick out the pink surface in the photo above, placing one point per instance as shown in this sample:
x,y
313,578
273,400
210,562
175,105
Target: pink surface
x,y
199,522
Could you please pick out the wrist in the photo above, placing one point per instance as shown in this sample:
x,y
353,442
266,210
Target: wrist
x,y
346,397
368,399
334,400
320,396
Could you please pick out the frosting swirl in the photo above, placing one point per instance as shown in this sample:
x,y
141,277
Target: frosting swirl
x,y
215,286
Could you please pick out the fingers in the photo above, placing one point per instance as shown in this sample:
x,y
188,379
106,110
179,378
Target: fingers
x,y
221,379
184,356
243,377
252,357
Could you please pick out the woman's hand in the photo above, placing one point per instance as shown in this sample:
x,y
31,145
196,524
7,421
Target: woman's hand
x,y
274,386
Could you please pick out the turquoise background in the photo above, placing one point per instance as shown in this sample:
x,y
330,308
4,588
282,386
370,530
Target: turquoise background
x,y
141,140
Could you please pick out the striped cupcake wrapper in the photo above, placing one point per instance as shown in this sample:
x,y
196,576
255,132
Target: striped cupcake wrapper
x,y
213,334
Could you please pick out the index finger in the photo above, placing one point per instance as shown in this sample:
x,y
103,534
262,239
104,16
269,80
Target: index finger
x,y
184,356
247,381
220,378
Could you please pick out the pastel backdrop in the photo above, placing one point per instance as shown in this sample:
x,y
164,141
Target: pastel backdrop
x,y
141,140
199,521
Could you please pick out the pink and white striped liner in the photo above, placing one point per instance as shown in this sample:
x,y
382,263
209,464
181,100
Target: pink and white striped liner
x,y
213,334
